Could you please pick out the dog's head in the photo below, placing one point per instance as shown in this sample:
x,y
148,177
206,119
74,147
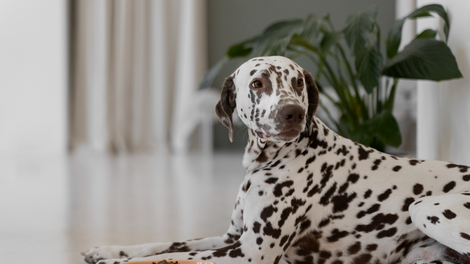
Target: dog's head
x,y
273,96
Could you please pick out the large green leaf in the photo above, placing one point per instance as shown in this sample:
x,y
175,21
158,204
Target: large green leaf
x,y
394,35
385,127
436,8
358,26
330,39
275,38
367,67
311,28
428,33
239,50
297,40
424,59
394,38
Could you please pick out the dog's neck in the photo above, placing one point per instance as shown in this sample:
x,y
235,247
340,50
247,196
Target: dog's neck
x,y
259,151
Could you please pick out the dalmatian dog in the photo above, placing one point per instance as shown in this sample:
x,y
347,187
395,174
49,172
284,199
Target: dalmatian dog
x,y
312,196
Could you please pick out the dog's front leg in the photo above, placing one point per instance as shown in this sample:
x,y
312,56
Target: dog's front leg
x,y
94,255
234,232
250,248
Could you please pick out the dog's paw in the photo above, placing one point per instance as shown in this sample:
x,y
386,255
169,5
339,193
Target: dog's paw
x,y
98,254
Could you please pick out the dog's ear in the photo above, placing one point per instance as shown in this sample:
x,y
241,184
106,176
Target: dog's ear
x,y
313,97
226,105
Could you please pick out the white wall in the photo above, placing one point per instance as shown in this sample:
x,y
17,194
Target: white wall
x,y
33,76
444,107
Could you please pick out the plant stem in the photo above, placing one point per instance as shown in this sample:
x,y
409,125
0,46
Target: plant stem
x,y
378,101
391,97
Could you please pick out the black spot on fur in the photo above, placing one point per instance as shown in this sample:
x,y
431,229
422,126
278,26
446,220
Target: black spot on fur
x,y
376,164
270,231
262,157
324,222
465,235
256,227
433,219
396,168
408,221
378,222
363,154
177,247
341,201
278,188
324,255
230,239
367,194
371,247
353,249
236,253
305,224
407,203
325,199
362,259
310,160
387,233
374,208
336,235
353,177
448,187
271,180
235,248
284,215
247,186
283,240
461,167
267,212
449,214
418,188
384,195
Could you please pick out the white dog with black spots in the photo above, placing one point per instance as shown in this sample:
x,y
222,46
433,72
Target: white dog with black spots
x,y
312,196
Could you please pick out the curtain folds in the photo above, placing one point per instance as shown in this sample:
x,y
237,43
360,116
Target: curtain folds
x,y
135,67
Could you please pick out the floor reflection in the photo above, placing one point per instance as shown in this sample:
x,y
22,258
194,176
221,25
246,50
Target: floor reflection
x,y
52,208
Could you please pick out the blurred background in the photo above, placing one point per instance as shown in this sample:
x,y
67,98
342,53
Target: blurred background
x,y
102,123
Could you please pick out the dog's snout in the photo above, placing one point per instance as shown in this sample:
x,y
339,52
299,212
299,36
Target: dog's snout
x,y
292,113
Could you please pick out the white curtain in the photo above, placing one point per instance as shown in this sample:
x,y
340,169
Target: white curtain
x,y
135,69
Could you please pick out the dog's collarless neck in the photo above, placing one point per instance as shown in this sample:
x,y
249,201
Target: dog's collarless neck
x,y
259,152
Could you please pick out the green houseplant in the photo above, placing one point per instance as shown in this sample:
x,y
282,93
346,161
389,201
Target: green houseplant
x,y
353,60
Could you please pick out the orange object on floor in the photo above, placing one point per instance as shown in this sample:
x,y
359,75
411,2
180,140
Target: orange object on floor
x,y
185,261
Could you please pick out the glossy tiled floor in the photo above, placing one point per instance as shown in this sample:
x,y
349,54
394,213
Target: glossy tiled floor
x,y
52,208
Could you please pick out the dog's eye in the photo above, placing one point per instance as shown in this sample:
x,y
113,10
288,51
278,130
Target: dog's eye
x,y
300,82
257,84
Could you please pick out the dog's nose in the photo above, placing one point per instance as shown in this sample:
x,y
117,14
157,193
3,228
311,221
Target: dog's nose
x,y
292,113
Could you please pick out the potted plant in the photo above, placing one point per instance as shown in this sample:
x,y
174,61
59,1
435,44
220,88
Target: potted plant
x,y
362,58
